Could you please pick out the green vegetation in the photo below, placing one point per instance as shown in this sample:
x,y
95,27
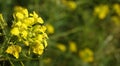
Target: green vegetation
x,y
80,33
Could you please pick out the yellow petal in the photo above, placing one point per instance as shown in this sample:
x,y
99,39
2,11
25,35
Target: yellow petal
x,y
15,31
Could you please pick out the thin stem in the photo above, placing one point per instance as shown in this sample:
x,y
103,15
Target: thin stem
x,y
66,33
22,63
5,30
10,62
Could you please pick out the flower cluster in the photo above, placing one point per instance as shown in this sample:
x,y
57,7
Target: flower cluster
x,y
30,32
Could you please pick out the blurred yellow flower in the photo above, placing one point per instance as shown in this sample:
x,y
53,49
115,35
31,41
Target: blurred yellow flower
x,y
72,46
61,47
70,4
101,11
14,50
86,55
47,60
15,31
116,7
50,28
116,20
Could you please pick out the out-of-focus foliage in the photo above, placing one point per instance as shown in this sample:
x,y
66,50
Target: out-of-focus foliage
x,y
81,32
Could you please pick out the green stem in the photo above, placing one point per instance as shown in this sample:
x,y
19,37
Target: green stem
x,y
22,63
66,33
6,33
10,61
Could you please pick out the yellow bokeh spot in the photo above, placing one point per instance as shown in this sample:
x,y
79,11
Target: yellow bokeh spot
x,y
86,55
61,47
50,28
116,7
101,11
71,4
72,46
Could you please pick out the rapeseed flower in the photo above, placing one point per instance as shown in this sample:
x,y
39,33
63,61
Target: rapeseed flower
x,y
70,4
101,11
61,47
20,13
72,46
30,31
15,31
116,7
50,28
14,50
86,55
38,48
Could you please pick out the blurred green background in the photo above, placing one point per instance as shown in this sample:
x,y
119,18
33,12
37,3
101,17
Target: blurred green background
x,y
81,32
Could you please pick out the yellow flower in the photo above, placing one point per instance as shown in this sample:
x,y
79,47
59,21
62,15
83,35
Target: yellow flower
x,y
86,55
70,4
61,47
72,46
50,28
39,37
116,7
29,30
34,15
38,48
15,31
116,20
22,10
24,33
23,26
40,20
14,50
18,24
101,11
19,15
29,21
